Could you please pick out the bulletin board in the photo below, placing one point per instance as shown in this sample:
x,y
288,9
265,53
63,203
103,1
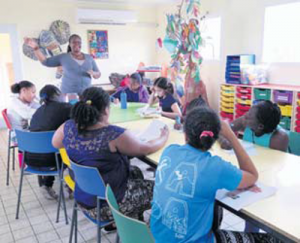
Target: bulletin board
x,y
98,44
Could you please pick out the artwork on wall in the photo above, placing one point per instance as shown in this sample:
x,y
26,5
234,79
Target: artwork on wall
x,y
98,44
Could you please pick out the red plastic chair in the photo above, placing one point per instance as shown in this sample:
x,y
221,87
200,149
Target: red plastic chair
x,y
10,145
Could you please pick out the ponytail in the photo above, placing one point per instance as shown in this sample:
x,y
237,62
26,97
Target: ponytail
x,y
49,93
90,109
16,88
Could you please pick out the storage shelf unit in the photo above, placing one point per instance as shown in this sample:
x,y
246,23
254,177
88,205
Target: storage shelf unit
x,y
237,99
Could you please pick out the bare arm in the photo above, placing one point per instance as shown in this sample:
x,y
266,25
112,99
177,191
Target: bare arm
x,y
250,174
130,145
152,99
58,137
37,52
176,112
279,140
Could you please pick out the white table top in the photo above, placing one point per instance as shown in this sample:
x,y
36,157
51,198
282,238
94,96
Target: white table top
x,y
280,212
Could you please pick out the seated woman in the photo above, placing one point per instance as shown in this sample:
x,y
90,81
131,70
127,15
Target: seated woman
x,y
22,105
91,141
48,117
187,179
163,92
260,126
136,92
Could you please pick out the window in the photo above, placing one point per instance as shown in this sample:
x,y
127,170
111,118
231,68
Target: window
x,y
211,34
282,33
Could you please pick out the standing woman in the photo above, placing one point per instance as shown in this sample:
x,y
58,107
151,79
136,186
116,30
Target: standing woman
x,y
79,68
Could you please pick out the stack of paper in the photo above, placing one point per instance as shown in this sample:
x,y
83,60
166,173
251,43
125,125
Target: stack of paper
x,y
241,198
152,132
148,111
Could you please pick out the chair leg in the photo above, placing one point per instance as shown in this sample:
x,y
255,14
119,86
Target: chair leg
x,y
20,191
76,222
117,238
8,158
59,203
98,220
64,205
14,159
72,223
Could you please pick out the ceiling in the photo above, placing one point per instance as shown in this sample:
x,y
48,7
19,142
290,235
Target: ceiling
x,y
137,2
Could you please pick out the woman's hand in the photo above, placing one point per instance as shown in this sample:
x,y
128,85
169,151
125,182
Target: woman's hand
x,y
31,43
91,73
226,131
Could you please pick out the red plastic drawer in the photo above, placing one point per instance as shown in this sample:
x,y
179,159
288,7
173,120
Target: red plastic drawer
x,y
226,115
244,90
241,112
243,107
297,129
298,116
244,96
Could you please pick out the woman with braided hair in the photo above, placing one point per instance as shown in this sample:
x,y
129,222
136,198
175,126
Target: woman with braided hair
x,y
90,140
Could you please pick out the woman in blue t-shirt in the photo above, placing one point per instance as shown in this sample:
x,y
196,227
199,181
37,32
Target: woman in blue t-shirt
x,y
187,179
163,92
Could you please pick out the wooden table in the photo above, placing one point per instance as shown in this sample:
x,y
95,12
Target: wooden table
x,y
278,215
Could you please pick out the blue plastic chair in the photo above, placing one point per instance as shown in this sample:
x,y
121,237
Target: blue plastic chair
x,y
37,142
89,180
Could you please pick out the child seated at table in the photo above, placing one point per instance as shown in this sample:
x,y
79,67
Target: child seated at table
x,y
136,92
261,126
187,179
52,113
22,105
163,92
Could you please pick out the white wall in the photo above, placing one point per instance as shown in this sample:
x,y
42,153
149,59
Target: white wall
x,y
128,45
242,32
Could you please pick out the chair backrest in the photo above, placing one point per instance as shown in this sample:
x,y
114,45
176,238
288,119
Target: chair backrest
x,y
65,157
130,230
35,142
89,180
7,122
294,141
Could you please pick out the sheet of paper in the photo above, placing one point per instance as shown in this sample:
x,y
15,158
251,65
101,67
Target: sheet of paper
x,y
249,147
147,111
153,131
239,199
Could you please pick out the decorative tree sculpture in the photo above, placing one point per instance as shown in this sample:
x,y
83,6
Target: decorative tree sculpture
x,y
182,40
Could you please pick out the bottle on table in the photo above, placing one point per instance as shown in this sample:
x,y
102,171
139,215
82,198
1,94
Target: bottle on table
x,y
123,100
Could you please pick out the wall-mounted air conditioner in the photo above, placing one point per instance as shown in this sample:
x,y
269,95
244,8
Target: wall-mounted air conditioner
x,y
97,16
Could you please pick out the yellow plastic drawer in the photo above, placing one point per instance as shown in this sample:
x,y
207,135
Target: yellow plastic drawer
x,y
227,104
228,88
286,110
243,102
227,99
227,94
228,110
298,102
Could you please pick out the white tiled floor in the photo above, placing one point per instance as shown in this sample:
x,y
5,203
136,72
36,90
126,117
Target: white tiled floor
x,y
36,221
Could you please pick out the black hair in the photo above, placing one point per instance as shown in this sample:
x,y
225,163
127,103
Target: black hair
x,y
70,39
164,84
197,102
137,77
199,120
142,74
268,114
49,93
16,88
89,110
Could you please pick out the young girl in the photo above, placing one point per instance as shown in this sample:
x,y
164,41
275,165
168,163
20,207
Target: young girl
x,y
260,126
136,92
48,117
90,140
187,179
163,92
22,105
